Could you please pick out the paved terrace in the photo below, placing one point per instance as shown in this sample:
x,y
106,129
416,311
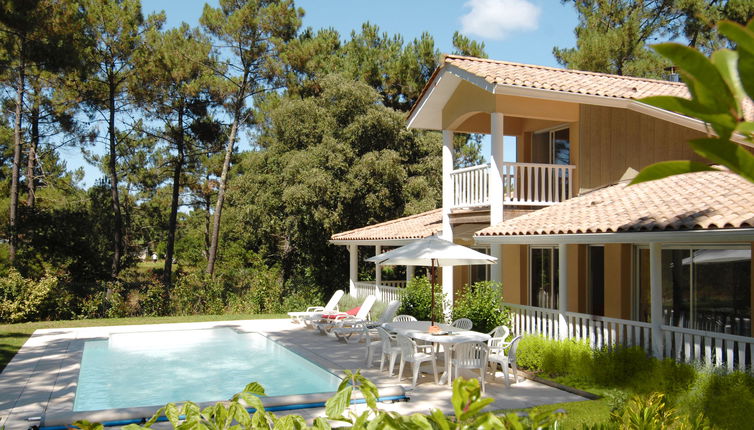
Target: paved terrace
x,y
41,379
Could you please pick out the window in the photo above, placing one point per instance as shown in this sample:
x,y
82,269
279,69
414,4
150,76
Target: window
x,y
596,273
552,147
543,279
704,288
479,272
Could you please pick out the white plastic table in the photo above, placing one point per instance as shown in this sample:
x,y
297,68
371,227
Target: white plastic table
x,y
420,330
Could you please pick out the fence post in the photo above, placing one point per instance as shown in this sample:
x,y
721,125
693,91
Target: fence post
x,y
563,293
655,293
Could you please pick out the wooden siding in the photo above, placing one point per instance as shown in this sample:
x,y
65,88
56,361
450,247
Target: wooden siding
x,y
611,140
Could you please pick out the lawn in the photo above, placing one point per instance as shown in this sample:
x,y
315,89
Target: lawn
x,y
13,336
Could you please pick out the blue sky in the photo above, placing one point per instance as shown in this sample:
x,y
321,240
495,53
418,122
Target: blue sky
x,y
513,30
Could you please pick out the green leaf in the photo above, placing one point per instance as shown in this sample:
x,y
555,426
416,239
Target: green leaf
x,y
723,123
743,36
337,404
746,70
726,62
727,153
664,169
440,419
746,128
86,425
240,414
321,424
172,413
701,76
254,388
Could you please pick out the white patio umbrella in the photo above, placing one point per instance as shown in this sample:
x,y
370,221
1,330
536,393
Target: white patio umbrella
x,y
432,251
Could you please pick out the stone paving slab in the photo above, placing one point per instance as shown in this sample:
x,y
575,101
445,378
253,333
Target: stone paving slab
x,y
42,377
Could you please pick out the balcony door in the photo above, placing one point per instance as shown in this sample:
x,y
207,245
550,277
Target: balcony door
x,y
551,147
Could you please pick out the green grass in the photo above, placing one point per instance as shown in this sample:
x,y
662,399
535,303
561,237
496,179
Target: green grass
x,y
579,414
13,336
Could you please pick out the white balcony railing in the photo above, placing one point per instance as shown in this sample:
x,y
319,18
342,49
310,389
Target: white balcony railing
x,y
525,184
385,292
681,344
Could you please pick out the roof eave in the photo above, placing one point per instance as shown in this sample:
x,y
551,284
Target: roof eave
x,y
368,242
683,236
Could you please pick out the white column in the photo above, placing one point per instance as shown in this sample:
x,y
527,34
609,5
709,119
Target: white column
x,y
378,268
655,297
563,290
447,203
353,268
496,188
409,273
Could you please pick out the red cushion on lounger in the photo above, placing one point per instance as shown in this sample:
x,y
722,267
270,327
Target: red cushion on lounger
x,y
340,315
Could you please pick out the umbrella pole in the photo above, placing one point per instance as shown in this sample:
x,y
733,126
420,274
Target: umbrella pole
x,y
432,307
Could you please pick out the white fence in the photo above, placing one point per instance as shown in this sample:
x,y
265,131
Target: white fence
x,y
525,184
385,292
681,344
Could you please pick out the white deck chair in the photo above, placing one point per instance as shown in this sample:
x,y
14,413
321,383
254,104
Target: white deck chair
x,y
410,354
404,318
463,323
471,355
390,349
349,329
498,341
506,360
326,325
311,311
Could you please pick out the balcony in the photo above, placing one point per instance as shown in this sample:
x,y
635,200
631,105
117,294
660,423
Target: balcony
x,y
524,184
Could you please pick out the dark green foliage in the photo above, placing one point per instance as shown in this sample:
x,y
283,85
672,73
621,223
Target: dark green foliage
x,y
727,399
482,303
416,300
690,393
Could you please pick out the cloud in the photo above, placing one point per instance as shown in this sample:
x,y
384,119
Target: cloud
x,y
496,19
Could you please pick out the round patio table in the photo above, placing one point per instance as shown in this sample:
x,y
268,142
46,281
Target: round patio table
x,y
420,330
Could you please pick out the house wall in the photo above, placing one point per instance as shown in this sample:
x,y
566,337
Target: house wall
x,y
612,139
515,267
618,272
577,278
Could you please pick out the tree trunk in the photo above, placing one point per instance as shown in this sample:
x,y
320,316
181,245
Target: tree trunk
x,y
113,173
215,236
173,221
31,162
12,218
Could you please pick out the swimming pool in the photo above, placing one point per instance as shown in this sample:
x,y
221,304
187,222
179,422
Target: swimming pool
x,y
154,368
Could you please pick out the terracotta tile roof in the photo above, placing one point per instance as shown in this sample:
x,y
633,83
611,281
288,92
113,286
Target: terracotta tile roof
x,y
568,81
410,227
704,200
565,80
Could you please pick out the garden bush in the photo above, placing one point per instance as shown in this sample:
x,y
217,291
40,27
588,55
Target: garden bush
x,y
21,298
416,300
482,303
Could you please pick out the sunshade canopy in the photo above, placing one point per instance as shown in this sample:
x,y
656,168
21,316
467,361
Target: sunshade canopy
x,y
432,251
703,256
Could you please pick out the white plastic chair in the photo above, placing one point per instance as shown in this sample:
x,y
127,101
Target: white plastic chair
x,y
498,339
370,346
471,355
463,323
410,354
506,360
404,318
311,311
389,349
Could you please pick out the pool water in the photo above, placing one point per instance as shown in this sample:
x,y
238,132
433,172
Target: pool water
x,y
154,368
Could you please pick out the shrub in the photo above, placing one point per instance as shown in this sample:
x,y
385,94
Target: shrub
x,y
482,303
727,399
567,358
196,293
416,300
21,298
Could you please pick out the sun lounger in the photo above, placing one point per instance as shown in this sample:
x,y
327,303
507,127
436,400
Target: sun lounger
x,y
317,311
329,321
349,328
